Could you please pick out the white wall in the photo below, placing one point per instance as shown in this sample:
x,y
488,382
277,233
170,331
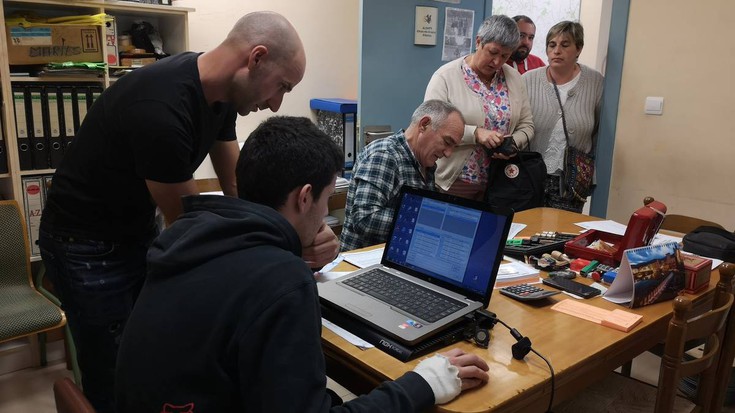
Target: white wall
x,y
683,158
329,30
595,17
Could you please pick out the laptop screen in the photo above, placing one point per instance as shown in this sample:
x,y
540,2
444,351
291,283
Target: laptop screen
x,y
452,240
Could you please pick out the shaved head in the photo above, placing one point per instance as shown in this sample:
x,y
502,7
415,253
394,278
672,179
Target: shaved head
x,y
269,29
260,61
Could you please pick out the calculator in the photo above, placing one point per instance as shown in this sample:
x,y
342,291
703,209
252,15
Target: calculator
x,y
526,292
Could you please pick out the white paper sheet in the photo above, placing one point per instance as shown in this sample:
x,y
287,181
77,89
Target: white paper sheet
x,y
515,229
332,264
365,258
353,339
659,239
608,226
321,277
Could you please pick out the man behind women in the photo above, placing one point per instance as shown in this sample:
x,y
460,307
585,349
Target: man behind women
x,y
405,158
521,59
136,150
580,92
229,319
493,100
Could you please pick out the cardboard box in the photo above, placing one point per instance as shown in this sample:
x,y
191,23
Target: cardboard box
x,y
698,271
53,43
33,199
137,61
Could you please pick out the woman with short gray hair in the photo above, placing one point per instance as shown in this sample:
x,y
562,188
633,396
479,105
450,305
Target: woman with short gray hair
x,y
493,101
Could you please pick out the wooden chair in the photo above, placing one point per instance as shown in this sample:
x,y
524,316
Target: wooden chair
x,y
618,393
24,312
681,223
208,185
69,398
727,354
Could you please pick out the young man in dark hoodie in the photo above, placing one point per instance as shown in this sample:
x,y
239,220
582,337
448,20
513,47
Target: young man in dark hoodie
x,y
228,319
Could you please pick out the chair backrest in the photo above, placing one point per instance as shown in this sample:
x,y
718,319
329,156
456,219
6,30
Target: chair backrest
x,y
69,398
14,247
727,354
685,224
681,223
684,327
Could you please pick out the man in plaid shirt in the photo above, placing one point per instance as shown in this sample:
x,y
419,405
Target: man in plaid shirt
x,y
405,158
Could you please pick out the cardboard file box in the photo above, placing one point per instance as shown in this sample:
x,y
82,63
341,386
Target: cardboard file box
x,y
111,45
642,227
53,43
137,61
698,271
33,199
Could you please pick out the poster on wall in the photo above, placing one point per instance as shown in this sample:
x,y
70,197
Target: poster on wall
x,y
458,26
426,22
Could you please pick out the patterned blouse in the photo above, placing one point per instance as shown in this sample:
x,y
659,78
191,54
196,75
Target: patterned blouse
x,y
496,105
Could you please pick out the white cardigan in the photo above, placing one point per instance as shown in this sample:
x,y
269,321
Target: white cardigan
x,y
448,84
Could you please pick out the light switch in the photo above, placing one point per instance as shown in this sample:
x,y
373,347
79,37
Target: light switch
x,y
654,105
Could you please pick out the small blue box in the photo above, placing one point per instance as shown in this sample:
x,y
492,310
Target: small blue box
x,y
609,277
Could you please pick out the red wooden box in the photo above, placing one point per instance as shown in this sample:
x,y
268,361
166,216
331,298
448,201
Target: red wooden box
x,y
698,271
642,226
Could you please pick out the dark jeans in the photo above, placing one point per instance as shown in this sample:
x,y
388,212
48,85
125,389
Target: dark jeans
x,y
97,283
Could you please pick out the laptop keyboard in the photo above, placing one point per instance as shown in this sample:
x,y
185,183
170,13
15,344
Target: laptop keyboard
x,y
414,299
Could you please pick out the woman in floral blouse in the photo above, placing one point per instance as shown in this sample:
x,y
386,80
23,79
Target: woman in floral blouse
x,y
493,100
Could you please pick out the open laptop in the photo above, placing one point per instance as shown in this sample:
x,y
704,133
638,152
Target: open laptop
x,y
440,245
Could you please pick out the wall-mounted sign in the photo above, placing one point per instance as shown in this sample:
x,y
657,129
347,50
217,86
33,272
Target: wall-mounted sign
x,y
426,23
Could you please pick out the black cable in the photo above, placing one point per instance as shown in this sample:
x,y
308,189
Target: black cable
x,y
551,369
518,336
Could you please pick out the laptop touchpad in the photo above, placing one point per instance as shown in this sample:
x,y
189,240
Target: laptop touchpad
x,y
359,310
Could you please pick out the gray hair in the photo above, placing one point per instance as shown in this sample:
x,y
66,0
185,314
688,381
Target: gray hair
x,y
573,29
499,29
437,110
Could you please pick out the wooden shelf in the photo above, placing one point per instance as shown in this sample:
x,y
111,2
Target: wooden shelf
x,y
37,172
137,8
56,79
171,22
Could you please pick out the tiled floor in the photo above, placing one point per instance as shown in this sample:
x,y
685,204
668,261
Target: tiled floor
x,y
30,390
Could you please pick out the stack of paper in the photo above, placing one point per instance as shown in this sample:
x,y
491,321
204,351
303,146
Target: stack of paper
x,y
341,185
514,273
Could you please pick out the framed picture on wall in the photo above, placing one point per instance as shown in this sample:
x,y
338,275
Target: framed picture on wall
x,y
458,26
426,24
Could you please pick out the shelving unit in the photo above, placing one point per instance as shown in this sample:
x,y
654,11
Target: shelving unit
x,y
171,22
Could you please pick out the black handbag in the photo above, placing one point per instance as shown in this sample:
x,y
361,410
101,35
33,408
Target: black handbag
x,y
518,182
711,242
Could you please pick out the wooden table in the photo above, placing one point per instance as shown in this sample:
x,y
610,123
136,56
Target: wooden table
x,y
581,352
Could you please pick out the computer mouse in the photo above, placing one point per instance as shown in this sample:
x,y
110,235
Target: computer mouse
x,y
568,274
